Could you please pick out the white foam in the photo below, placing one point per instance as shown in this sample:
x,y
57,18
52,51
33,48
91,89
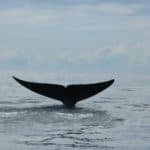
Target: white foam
x,y
8,114
74,116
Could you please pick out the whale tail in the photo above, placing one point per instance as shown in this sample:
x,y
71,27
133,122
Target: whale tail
x,y
69,95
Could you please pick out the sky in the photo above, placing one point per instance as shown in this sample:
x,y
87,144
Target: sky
x,y
75,35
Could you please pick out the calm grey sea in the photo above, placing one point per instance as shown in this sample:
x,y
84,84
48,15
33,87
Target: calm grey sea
x,y
118,118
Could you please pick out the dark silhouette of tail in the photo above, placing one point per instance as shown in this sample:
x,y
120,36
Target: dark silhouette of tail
x,y
70,94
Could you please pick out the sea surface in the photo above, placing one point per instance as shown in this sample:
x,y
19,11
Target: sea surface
x,y
116,119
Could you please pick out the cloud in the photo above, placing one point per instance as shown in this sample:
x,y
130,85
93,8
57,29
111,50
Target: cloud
x,y
118,9
75,34
9,54
30,14
133,54
83,56
116,55
22,15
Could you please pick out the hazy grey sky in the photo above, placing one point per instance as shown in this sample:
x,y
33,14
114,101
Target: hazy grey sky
x,y
105,35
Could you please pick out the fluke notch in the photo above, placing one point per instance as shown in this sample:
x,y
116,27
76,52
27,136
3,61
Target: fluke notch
x,y
69,95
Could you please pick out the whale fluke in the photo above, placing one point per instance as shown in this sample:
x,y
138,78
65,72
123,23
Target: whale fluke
x,y
68,95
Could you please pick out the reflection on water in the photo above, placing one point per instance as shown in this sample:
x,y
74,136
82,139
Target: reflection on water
x,y
57,126
57,114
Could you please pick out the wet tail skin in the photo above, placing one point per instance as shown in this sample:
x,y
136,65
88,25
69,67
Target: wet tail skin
x,y
69,95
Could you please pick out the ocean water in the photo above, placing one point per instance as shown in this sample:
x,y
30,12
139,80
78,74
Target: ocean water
x,y
118,118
